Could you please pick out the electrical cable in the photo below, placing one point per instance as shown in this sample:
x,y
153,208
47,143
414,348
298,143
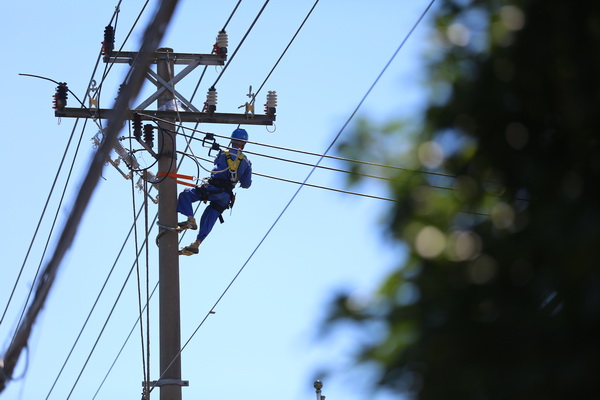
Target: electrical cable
x,y
152,36
150,296
240,43
139,288
56,214
284,51
104,325
298,191
123,346
334,189
206,66
147,230
110,65
98,92
104,285
44,209
374,164
320,166
325,187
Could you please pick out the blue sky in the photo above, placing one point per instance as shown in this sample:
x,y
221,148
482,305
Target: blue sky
x,y
264,339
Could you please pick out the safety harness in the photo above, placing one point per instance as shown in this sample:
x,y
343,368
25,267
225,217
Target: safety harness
x,y
233,165
225,185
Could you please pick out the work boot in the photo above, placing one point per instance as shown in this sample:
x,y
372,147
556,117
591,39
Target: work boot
x,y
189,224
190,250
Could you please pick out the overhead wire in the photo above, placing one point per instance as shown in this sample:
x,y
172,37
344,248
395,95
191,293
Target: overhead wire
x,y
50,195
53,225
206,66
109,66
139,289
44,209
101,332
146,307
349,160
341,190
59,170
211,310
94,305
123,345
236,276
110,273
153,34
285,50
240,43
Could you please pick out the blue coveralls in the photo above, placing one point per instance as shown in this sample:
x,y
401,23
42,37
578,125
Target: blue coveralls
x,y
219,198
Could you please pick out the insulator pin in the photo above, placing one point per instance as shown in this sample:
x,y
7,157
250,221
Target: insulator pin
x,y
211,100
60,97
149,135
108,45
222,43
271,104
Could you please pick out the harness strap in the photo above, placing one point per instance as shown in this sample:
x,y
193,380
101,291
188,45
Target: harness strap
x,y
233,165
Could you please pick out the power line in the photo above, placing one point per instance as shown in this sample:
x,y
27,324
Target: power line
x,y
325,187
240,44
286,49
298,190
38,224
104,285
152,36
349,160
206,66
56,214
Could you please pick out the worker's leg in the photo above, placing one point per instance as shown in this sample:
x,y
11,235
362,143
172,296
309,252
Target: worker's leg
x,y
185,200
218,203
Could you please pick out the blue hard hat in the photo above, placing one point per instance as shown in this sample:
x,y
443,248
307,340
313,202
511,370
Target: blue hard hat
x,y
240,134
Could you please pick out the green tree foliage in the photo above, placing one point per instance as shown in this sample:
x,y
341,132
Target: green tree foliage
x,y
500,295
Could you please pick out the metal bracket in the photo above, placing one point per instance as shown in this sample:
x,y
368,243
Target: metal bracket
x,y
170,86
167,382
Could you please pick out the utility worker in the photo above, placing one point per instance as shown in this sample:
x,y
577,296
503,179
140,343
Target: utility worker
x,y
230,167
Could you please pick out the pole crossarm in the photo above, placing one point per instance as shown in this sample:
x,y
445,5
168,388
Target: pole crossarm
x,y
127,57
182,116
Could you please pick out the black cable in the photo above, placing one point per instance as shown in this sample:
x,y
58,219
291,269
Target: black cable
x,y
145,243
206,66
313,154
240,44
284,51
39,223
137,270
114,17
110,65
124,344
231,15
298,191
56,214
152,36
93,305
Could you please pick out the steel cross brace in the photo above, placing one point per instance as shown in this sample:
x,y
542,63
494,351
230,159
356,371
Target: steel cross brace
x,y
170,86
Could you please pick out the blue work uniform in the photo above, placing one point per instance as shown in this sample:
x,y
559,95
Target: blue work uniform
x,y
218,191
